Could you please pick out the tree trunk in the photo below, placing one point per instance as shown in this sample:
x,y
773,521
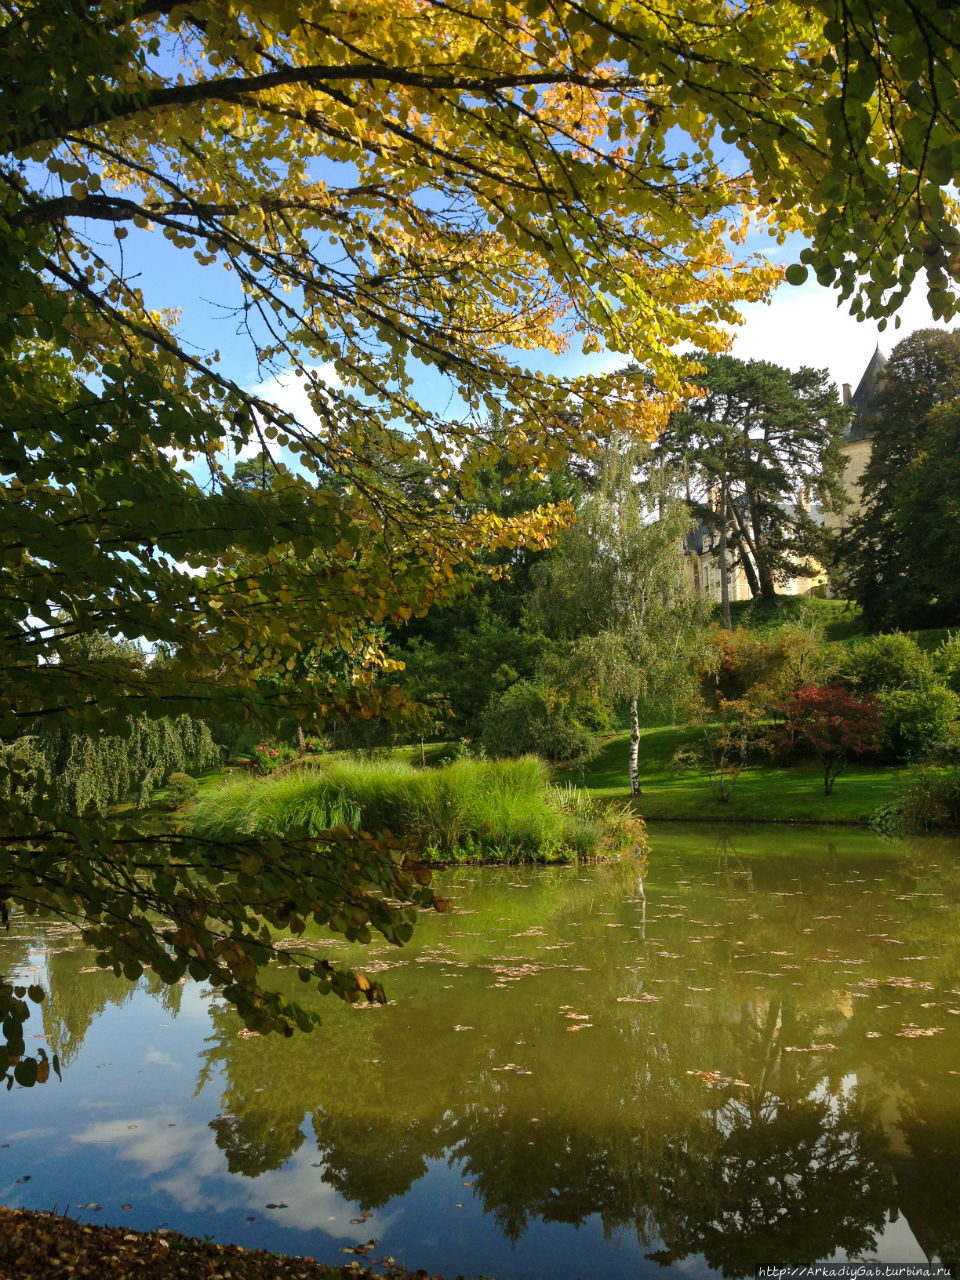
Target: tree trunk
x,y
749,572
768,589
694,554
634,749
724,580
301,741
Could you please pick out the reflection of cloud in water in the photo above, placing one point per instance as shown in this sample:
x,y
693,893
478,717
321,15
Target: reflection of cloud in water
x,y
162,1059
22,1135
185,1162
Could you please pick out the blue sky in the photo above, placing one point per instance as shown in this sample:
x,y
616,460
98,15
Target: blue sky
x,y
799,325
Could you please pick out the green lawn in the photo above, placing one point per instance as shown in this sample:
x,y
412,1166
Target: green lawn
x,y
841,619
760,795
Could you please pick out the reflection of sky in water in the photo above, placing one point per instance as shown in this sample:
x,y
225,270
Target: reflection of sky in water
x,y
185,1163
754,1020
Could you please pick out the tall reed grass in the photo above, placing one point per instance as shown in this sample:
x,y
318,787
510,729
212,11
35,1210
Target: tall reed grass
x,y
472,810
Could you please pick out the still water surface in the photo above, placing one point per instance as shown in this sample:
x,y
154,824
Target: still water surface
x,y
755,1058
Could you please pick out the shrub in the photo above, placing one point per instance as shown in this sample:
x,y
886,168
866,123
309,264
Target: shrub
x,y
687,757
271,755
181,788
893,661
946,661
528,719
742,662
929,797
918,720
732,743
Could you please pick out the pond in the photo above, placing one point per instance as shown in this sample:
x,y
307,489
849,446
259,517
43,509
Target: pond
x,y
752,1058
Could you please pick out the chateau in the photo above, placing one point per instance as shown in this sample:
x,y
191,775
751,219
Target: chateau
x,y
702,542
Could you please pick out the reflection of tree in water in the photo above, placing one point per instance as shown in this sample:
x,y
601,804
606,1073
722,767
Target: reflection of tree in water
x,y
925,1158
256,1139
371,1159
732,870
627,1121
78,994
269,1082
779,1171
787,1170
784,1166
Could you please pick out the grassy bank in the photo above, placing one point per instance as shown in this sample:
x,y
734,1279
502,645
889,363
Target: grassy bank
x,y
761,794
841,620
472,810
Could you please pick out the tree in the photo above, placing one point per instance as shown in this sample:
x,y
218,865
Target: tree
x,y
762,446
833,723
389,187
464,176
617,591
899,553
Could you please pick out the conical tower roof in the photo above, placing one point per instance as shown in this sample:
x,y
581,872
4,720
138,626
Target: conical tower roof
x,y
865,394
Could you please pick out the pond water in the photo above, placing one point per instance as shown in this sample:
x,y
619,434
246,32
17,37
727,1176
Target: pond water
x,y
753,1059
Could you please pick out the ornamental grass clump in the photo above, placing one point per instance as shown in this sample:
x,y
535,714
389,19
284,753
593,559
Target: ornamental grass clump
x,y
472,810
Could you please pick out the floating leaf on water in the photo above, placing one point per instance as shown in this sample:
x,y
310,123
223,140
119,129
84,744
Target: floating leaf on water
x,y
462,1027
910,1032
718,1079
280,1204
126,1206
580,1026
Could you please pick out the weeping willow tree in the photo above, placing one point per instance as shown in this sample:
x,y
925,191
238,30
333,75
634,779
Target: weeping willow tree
x,y
91,774
88,773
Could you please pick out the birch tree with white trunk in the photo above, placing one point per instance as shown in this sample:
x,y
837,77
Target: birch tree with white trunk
x,y
619,590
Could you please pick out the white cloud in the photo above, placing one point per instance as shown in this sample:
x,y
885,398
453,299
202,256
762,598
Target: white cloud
x,y
804,326
290,393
